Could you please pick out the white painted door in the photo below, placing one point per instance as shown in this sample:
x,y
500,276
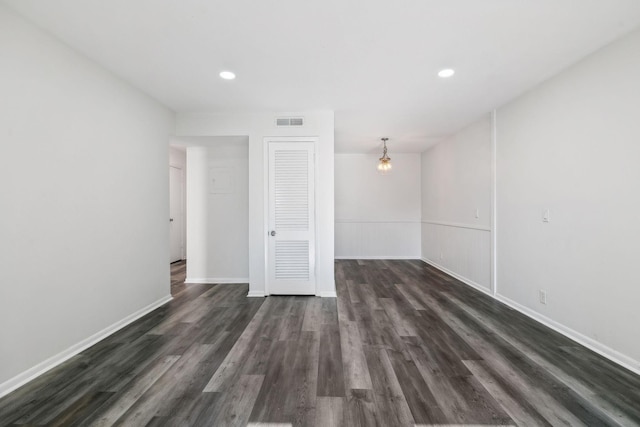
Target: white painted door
x,y
176,220
291,234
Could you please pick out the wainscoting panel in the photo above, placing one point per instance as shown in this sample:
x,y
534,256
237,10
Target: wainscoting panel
x,y
377,240
464,250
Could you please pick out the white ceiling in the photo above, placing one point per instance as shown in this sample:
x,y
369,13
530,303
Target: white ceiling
x,y
373,62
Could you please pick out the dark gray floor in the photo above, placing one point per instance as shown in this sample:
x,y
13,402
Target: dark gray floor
x,y
403,344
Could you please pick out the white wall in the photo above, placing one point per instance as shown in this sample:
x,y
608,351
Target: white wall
x,y
258,126
456,204
377,216
84,190
218,215
572,146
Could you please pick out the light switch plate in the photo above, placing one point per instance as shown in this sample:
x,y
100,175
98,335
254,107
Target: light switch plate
x,y
543,297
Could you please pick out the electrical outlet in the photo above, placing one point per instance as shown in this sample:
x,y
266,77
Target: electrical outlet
x,y
441,255
545,215
543,297
477,213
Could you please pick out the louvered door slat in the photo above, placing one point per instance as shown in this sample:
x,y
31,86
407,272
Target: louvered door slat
x,y
291,191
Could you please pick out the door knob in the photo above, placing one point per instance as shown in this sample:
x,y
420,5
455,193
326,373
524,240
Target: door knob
x,y
273,232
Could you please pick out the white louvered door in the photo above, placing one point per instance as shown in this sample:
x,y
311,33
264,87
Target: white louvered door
x,y
291,245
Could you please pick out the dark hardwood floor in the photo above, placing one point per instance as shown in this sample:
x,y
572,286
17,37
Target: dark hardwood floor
x,y
402,345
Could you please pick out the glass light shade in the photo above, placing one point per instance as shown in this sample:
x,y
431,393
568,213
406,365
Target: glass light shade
x,y
384,166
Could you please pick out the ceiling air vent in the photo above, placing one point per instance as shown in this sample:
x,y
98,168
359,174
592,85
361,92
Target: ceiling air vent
x,y
289,121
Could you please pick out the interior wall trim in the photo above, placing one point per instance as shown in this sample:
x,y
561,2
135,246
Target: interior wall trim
x,y
42,367
494,201
366,221
378,257
600,348
457,225
463,279
217,280
256,294
328,294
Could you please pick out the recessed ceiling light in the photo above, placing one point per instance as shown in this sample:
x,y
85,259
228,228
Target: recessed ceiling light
x,y
447,72
227,75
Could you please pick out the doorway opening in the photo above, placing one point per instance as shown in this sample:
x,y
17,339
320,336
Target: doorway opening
x,y
177,204
217,208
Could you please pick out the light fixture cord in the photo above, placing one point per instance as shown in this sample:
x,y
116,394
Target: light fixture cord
x,y
384,149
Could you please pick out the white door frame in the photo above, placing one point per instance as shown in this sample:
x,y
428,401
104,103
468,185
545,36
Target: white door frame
x,y
266,230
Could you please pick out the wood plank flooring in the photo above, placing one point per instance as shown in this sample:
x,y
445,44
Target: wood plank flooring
x,y
402,345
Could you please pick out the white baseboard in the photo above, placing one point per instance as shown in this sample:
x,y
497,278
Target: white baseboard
x,y
596,346
256,294
459,277
42,367
217,280
328,294
603,350
378,257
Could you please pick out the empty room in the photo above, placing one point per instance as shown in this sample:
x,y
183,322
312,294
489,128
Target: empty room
x,y
319,213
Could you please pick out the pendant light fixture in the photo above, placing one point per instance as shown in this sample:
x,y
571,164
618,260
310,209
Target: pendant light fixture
x,y
384,165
